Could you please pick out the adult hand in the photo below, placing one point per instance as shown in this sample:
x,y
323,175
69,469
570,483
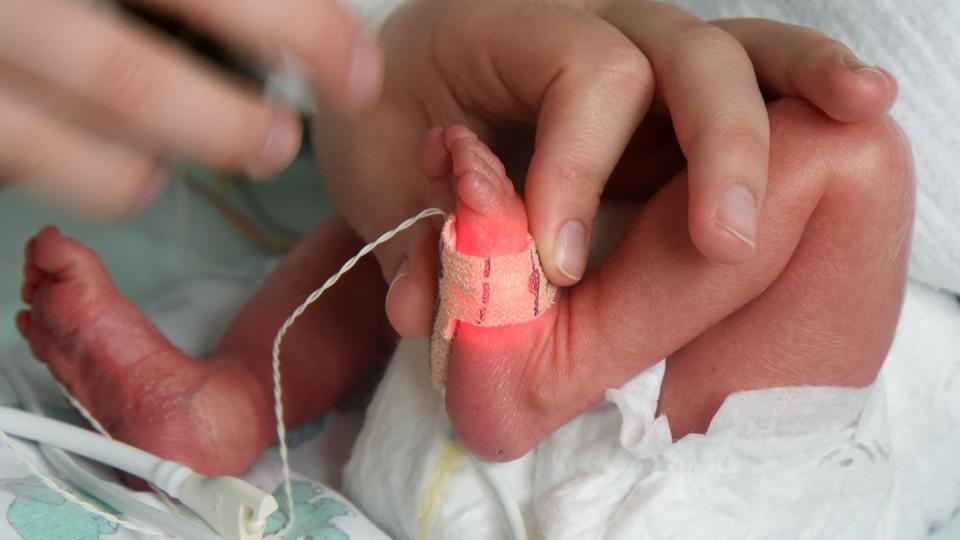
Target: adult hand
x,y
93,103
585,74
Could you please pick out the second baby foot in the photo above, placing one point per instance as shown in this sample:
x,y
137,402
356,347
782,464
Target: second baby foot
x,y
116,363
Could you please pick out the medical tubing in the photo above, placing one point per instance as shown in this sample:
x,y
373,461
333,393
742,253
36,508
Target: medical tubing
x,y
167,475
118,497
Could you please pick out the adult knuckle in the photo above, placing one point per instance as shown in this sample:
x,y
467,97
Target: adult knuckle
x,y
823,46
124,78
623,68
698,39
744,138
733,136
578,181
315,44
125,192
335,40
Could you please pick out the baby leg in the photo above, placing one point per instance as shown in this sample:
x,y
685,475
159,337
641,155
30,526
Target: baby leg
x,y
335,344
215,416
829,317
656,294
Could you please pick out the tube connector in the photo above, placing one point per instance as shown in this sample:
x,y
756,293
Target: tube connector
x,y
232,507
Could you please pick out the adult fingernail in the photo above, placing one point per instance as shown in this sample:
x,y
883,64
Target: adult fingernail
x,y
570,249
363,80
280,146
855,65
152,189
737,214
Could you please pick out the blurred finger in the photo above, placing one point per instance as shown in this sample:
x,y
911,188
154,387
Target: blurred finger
x,y
146,85
344,61
64,165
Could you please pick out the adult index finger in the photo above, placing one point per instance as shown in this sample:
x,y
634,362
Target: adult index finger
x,y
708,84
588,87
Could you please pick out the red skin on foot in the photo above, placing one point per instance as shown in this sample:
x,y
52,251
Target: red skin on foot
x,y
113,360
215,416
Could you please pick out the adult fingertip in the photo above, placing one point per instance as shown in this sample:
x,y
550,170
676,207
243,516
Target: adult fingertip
x,y
365,76
152,189
859,91
280,145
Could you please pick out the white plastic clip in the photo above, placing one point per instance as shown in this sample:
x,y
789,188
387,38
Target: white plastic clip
x,y
234,508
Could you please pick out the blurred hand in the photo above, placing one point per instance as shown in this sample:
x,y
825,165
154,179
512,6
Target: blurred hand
x,y
92,103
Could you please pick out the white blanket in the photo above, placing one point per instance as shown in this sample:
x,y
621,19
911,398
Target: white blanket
x,y
812,462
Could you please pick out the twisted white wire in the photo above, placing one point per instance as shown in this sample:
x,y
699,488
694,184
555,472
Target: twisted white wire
x,y
87,415
277,388
96,425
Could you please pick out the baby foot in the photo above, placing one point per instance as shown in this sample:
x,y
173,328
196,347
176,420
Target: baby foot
x,y
112,359
491,393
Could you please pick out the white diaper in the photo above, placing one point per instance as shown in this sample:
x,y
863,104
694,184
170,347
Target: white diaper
x,y
810,462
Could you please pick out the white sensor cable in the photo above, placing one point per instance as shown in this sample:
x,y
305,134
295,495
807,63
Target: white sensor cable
x,y
232,507
113,494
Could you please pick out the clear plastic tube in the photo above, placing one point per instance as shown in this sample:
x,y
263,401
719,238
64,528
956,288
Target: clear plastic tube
x,y
235,509
118,497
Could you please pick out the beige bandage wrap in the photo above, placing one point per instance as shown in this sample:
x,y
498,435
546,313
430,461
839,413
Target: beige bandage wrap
x,y
484,291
